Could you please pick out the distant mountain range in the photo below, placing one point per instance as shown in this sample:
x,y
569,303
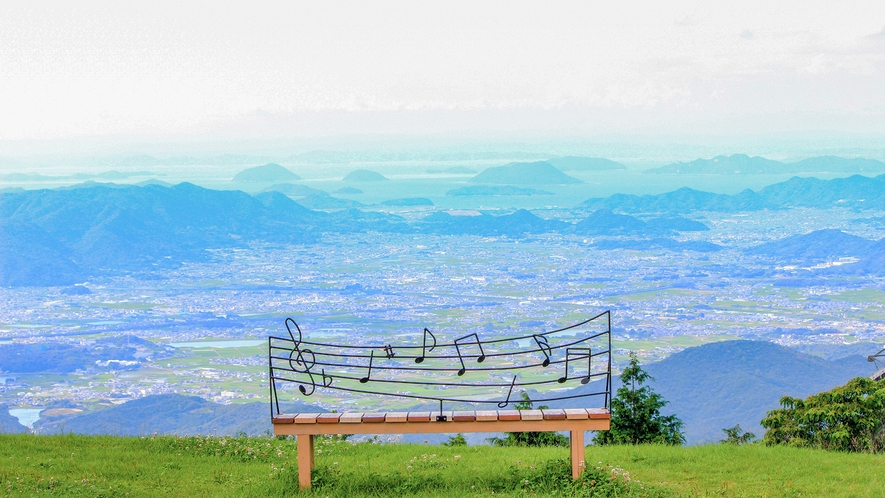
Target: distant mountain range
x,y
827,246
169,414
536,173
522,222
65,236
718,385
515,225
858,192
746,165
605,222
62,236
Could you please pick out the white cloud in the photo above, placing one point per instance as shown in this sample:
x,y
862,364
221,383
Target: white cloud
x,y
113,68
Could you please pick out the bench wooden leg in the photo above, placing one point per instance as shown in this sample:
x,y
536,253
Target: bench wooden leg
x,y
312,453
305,459
577,444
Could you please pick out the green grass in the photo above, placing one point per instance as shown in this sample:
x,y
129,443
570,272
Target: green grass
x,y
749,471
204,466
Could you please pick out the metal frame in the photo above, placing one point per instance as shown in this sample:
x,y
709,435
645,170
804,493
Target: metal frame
x,y
323,366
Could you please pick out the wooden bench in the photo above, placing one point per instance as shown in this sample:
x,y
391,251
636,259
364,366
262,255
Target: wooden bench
x,y
580,352
307,425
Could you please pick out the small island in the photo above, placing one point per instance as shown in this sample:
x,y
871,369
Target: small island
x,y
270,173
364,175
536,173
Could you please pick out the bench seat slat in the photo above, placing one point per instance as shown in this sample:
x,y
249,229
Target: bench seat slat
x,y
284,418
328,418
463,416
396,417
575,414
553,414
486,415
351,418
531,415
598,413
306,418
418,417
509,415
373,418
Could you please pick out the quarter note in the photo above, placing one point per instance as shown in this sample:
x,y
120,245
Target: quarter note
x,y
482,354
424,347
579,353
369,374
507,401
544,347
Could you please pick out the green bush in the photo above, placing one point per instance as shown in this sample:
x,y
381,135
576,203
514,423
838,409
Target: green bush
x,y
847,418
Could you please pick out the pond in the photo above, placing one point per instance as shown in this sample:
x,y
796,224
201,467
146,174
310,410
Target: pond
x,y
26,416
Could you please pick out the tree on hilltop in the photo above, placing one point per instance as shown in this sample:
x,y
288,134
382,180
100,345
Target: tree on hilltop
x,y
847,418
636,413
737,436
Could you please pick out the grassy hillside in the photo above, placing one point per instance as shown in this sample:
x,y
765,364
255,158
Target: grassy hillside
x,y
195,466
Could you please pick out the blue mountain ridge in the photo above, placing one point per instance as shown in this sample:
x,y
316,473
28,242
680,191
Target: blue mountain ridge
x,y
170,414
718,385
65,236
744,164
857,191
828,245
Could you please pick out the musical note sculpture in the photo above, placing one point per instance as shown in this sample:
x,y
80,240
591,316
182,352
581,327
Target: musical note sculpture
x,y
533,363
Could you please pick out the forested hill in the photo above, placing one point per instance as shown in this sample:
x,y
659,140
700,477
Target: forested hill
x,y
62,236
718,385
66,236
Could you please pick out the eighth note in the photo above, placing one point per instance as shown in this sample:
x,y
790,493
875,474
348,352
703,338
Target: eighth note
x,y
369,374
424,347
544,347
482,354
580,354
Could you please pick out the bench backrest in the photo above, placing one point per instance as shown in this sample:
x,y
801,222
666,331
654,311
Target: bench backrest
x,y
471,370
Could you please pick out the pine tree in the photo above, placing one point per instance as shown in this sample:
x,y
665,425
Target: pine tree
x,y
636,413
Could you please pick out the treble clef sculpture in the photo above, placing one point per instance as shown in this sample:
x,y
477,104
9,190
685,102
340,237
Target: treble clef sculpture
x,y
304,359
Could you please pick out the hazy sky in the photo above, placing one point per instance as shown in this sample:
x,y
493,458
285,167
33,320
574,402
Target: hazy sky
x,y
71,69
